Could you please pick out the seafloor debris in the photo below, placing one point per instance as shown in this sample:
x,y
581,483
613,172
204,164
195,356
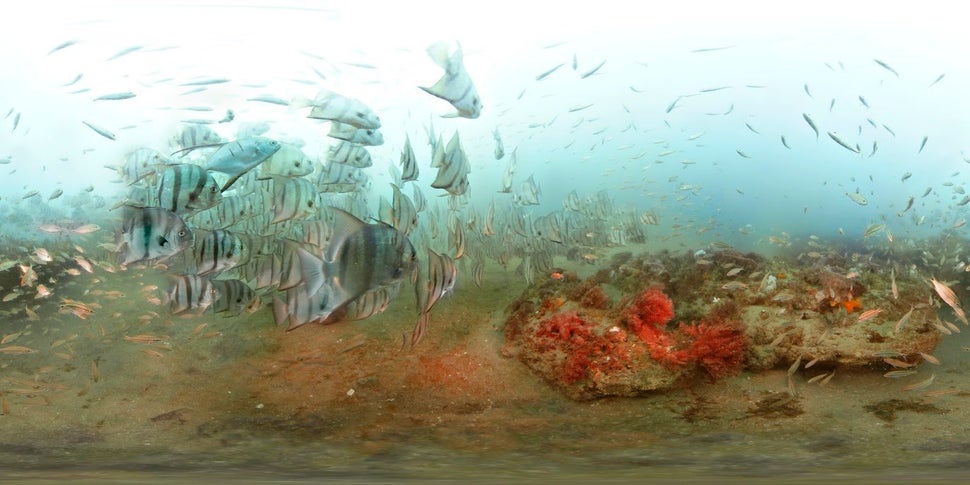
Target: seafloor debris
x,y
653,322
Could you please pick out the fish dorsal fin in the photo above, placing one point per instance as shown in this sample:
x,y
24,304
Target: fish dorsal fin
x,y
189,149
345,225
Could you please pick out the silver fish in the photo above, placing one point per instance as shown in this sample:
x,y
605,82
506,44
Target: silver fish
x,y
546,74
270,99
329,105
101,131
63,45
206,82
593,70
116,96
923,144
240,156
125,51
360,136
152,234
455,86
886,67
841,141
811,123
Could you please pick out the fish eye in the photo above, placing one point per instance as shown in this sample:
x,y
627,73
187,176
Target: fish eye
x,y
370,132
181,233
296,163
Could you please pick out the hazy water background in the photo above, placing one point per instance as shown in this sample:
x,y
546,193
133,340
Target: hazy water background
x,y
798,191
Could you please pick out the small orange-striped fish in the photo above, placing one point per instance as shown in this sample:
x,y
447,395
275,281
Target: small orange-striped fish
x,y
948,296
929,358
919,386
898,363
869,314
16,349
902,321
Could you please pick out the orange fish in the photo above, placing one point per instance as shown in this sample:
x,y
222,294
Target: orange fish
x,y
556,275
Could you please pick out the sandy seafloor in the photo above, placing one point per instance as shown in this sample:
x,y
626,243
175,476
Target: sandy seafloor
x,y
242,400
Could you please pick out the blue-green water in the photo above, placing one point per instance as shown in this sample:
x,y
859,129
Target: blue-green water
x,y
683,120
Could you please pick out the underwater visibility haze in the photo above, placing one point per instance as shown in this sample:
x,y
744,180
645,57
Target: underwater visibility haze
x,y
321,240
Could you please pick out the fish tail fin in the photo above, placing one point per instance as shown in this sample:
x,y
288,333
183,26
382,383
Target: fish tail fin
x,y
281,312
439,53
311,270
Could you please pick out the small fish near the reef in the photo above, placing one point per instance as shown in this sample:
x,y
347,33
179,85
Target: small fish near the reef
x,y
152,234
360,258
873,229
811,123
455,86
841,141
857,198
947,295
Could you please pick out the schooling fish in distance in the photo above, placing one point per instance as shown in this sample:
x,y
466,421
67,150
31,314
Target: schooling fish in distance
x,y
101,131
546,74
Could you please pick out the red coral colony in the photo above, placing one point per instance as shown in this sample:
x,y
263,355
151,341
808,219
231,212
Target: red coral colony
x,y
617,332
587,347
716,345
